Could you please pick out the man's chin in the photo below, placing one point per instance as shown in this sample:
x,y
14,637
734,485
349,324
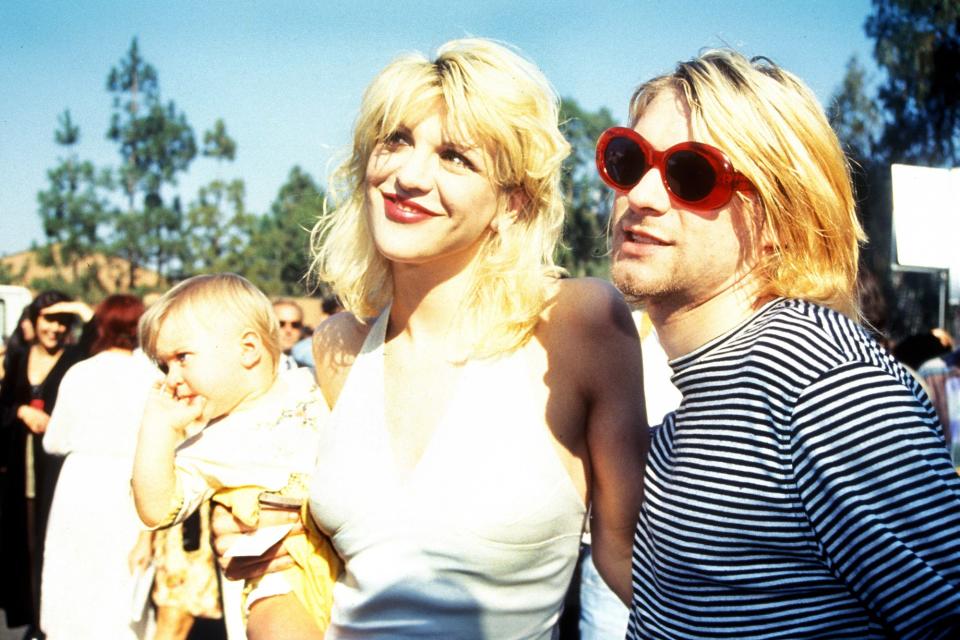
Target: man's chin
x,y
627,281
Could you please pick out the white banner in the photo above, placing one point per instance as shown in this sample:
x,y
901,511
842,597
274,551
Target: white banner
x,y
926,219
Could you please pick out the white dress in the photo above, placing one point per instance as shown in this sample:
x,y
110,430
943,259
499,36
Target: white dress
x,y
93,523
478,540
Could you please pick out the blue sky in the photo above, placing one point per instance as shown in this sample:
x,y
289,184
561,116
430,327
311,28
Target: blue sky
x,y
287,77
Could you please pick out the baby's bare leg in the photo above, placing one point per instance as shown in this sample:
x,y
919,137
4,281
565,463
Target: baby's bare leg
x,y
172,623
281,617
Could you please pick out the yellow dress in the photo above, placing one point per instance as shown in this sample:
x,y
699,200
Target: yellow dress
x,y
186,580
317,565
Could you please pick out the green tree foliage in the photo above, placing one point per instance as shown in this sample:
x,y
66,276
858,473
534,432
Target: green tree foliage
x,y
218,144
218,228
854,115
9,275
72,210
917,44
155,143
914,118
584,246
280,247
858,121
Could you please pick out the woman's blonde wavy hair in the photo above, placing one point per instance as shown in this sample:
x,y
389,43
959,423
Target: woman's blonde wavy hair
x,y
773,129
487,93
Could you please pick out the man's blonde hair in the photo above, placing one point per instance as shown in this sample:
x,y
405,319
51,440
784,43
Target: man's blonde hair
x,y
211,300
489,94
775,132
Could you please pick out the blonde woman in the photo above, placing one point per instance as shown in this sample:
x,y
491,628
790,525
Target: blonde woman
x,y
480,402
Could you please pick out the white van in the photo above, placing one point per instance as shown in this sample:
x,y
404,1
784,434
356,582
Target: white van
x,y
13,299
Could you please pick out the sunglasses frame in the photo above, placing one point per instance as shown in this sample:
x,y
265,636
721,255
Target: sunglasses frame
x,y
728,179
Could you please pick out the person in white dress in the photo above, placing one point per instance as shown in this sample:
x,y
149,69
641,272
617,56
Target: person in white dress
x,y
94,539
479,400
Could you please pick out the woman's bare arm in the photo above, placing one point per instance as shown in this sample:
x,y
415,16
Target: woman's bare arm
x,y
605,351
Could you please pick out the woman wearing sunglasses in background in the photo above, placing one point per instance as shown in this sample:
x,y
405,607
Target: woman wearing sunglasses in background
x,y
479,401
27,397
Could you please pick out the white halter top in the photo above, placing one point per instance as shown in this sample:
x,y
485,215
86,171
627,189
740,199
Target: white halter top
x,y
479,540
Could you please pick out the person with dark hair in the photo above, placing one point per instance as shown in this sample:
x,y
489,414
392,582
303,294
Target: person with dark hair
x,y
19,340
27,396
92,517
117,318
918,348
873,306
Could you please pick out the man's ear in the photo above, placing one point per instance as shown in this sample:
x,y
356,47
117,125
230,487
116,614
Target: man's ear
x,y
763,234
768,239
251,348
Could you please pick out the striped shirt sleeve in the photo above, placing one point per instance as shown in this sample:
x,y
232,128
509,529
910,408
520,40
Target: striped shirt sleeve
x,y
880,496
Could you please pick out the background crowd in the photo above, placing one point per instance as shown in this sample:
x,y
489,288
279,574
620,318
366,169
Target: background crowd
x,y
73,391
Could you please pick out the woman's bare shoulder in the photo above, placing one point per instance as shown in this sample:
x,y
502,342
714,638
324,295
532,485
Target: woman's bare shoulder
x,y
587,327
588,306
336,343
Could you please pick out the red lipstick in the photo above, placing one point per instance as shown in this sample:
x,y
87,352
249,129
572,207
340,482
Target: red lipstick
x,y
405,211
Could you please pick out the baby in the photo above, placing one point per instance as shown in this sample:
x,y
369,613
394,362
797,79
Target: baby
x,y
246,436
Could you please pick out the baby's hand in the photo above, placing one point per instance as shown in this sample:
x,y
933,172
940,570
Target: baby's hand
x,y
165,410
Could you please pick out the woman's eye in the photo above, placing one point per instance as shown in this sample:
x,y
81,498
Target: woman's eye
x,y
457,158
181,357
396,139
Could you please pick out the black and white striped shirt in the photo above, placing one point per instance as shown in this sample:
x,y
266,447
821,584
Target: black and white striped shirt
x,y
801,490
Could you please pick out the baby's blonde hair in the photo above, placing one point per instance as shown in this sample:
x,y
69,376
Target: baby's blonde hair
x,y
775,132
487,93
211,300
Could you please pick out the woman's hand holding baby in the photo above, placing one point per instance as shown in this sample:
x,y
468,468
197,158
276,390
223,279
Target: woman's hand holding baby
x,y
226,530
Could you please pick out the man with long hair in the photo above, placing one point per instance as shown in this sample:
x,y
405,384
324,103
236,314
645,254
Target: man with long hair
x,y
802,489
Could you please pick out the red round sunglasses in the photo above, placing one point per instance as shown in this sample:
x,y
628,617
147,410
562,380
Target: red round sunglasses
x,y
698,176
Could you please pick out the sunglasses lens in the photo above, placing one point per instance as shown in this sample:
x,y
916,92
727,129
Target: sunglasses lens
x,y
690,175
624,161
